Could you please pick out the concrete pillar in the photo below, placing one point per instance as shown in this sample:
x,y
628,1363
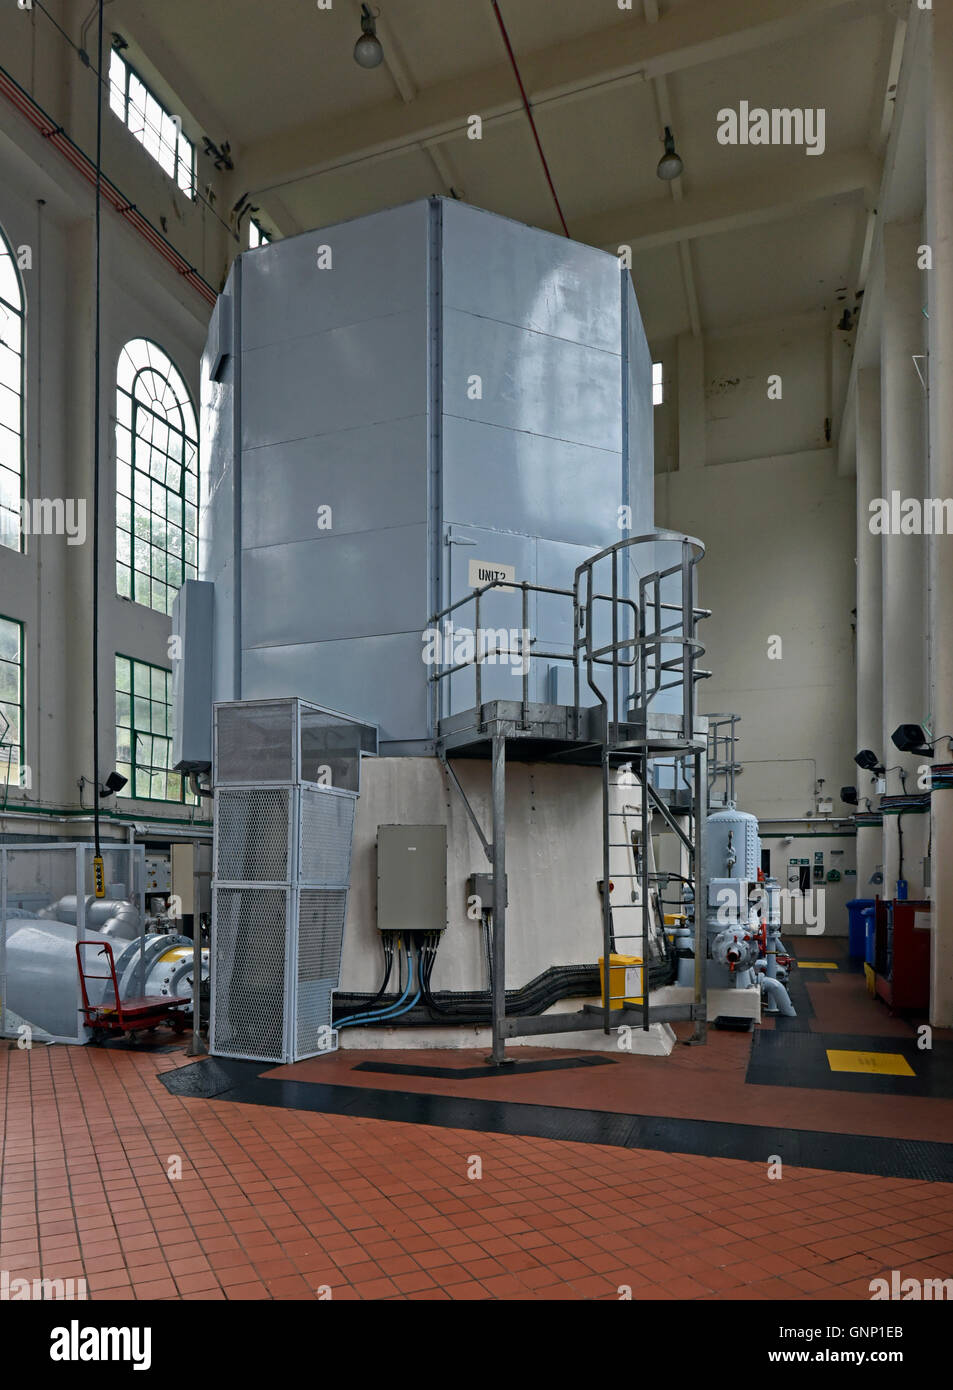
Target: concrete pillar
x,y
869,618
903,457
691,402
939,287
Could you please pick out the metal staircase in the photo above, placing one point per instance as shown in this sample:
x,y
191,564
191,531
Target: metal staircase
x,y
635,652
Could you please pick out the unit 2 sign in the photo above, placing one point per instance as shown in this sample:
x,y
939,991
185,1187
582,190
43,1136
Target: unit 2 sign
x,y
481,572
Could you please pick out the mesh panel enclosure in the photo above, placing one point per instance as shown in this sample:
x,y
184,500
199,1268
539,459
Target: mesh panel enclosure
x,y
321,913
282,870
249,972
253,831
326,825
255,743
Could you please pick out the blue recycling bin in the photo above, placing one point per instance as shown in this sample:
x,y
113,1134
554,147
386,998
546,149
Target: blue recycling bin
x,y
856,927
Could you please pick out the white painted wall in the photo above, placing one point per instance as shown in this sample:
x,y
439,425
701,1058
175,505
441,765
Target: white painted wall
x,y
553,864
778,524
741,421
45,205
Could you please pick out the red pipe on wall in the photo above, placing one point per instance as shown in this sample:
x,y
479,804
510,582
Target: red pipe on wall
x,y
57,137
529,113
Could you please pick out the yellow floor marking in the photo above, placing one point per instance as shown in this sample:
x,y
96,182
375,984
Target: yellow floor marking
x,y
817,965
883,1063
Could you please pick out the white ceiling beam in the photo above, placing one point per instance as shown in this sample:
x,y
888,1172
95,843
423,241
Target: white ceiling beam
x,y
629,51
741,203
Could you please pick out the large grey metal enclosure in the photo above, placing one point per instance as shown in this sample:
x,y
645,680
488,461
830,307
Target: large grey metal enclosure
x,y
393,408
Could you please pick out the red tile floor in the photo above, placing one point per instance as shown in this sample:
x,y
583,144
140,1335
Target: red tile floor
x,y
107,1177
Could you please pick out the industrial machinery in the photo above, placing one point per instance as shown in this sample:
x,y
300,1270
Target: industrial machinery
x,y
41,926
429,503
742,915
42,978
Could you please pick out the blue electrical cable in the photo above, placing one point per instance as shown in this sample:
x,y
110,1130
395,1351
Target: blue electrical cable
x,y
393,1010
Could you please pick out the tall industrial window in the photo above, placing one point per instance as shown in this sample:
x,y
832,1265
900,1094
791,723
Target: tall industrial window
x,y
157,478
144,733
11,704
156,129
257,236
658,390
11,397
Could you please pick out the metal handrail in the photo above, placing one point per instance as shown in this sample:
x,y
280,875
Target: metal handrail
x,y
639,652
479,658
726,767
643,650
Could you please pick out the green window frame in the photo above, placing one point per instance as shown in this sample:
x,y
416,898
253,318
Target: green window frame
x,y
144,733
157,478
11,702
156,128
12,394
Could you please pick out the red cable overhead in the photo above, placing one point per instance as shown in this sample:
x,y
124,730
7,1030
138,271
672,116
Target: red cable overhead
x,y
529,113
57,137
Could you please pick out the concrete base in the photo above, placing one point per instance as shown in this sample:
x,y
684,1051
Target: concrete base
x,y
728,1003
657,1041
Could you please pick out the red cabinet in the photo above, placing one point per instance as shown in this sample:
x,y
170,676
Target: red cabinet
x,y
902,953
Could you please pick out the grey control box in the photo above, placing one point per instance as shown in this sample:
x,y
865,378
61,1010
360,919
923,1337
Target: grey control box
x,y
412,878
481,886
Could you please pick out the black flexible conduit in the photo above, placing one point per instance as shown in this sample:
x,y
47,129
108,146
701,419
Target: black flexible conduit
x,y
473,1006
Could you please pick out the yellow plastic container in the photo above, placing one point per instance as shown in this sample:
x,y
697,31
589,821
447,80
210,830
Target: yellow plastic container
x,y
625,980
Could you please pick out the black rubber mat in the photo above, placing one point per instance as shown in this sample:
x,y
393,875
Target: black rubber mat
x,y
790,1058
484,1072
225,1079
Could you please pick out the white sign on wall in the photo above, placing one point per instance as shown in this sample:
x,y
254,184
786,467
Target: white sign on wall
x,y
483,572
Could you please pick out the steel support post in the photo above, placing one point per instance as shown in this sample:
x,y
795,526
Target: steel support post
x,y
197,1045
644,886
498,1055
606,901
699,813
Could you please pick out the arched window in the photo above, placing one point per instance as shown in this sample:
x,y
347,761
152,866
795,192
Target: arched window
x,y
11,396
157,478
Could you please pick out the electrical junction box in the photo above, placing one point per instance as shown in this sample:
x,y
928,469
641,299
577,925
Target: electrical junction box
x,y
481,886
412,878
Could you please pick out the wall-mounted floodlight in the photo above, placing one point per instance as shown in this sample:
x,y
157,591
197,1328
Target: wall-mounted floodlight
x,y
849,796
113,783
868,760
368,51
911,738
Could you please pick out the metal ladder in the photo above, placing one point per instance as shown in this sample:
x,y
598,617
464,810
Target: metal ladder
x,y
657,651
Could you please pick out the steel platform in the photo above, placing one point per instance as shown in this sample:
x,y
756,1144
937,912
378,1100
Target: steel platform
x,y
550,733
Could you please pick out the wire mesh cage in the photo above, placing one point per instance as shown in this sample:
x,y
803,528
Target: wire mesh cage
x,y
282,861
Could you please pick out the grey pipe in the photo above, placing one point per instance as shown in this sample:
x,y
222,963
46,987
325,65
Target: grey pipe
x,y
779,995
170,830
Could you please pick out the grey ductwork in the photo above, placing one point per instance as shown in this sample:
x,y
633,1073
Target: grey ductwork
x,y
115,917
